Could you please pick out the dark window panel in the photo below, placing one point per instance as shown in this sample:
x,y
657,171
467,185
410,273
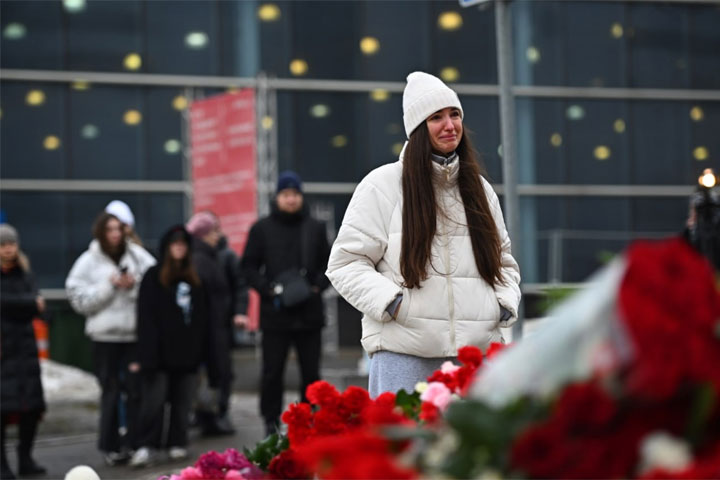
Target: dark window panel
x,y
658,45
100,36
42,46
169,24
41,220
165,158
27,130
118,151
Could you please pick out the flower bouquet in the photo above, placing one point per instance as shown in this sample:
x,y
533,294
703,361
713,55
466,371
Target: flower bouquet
x,y
623,381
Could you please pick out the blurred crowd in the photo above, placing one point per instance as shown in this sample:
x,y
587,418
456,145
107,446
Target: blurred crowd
x,y
163,326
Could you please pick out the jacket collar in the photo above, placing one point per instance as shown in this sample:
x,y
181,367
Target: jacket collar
x,y
443,175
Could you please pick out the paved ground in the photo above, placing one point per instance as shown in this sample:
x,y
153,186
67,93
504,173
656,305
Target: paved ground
x,y
60,452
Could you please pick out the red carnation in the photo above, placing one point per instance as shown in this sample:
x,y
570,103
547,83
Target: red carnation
x,y
449,379
353,401
323,394
288,465
298,418
470,355
584,404
429,413
328,422
382,411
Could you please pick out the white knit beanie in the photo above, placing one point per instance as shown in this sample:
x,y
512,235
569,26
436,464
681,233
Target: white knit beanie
x,y
424,95
121,210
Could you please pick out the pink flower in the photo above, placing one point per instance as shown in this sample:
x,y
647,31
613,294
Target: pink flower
x,y
191,473
449,367
437,394
233,475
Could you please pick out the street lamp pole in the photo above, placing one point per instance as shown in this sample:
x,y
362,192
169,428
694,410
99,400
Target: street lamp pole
x,y
503,31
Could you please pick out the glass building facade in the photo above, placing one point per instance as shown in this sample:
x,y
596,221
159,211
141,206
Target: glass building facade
x,y
617,108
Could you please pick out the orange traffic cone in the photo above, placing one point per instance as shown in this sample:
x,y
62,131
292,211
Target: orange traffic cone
x,y
42,338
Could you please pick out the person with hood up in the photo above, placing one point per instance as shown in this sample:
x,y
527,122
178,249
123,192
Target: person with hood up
x,y
172,344
212,415
103,285
285,260
22,391
423,251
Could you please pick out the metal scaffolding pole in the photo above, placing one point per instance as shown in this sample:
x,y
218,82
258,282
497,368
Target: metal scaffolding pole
x,y
503,30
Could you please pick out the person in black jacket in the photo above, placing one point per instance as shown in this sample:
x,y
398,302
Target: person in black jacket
x,y
205,230
172,342
284,250
22,392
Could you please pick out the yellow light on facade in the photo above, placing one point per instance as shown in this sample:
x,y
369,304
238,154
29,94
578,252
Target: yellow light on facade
x,y
616,30
396,148
267,122
708,178
298,67
450,74
701,153
450,21
697,114
320,110
51,142
556,139
80,85
602,152
339,141
268,12
172,146
380,95
369,45
35,98
132,117
132,61
532,54
619,125
500,150
180,103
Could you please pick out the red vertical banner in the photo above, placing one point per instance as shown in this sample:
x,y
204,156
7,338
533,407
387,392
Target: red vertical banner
x,y
224,168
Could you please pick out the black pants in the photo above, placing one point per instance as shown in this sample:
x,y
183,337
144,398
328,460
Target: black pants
x,y
275,348
120,400
158,388
27,428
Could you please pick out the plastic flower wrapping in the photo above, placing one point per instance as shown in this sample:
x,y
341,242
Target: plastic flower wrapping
x,y
622,381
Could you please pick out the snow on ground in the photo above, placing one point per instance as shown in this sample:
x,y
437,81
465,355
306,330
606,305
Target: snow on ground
x,y
63,383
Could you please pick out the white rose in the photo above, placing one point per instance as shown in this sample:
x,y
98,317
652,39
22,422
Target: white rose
x,y
662,450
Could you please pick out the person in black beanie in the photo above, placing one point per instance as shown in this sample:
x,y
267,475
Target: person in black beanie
x,y
285,260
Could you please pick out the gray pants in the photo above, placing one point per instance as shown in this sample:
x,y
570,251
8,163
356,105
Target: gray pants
x,y
392,372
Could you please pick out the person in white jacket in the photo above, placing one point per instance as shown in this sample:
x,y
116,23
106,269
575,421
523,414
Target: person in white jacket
x,y
423,251
103,286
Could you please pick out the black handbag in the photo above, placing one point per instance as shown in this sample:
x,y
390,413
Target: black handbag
x,y
296,289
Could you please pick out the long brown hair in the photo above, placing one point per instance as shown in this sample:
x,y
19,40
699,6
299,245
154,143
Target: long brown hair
x,y
419,216
100,233
172,271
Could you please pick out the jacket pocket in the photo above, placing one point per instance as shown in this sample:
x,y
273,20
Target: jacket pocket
x,y
403,313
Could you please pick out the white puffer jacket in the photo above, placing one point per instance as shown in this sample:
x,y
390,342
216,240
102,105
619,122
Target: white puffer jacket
x,y
110,313
454,307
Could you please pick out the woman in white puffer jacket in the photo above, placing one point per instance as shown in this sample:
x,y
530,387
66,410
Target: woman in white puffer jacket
x,y
423,251
103,286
